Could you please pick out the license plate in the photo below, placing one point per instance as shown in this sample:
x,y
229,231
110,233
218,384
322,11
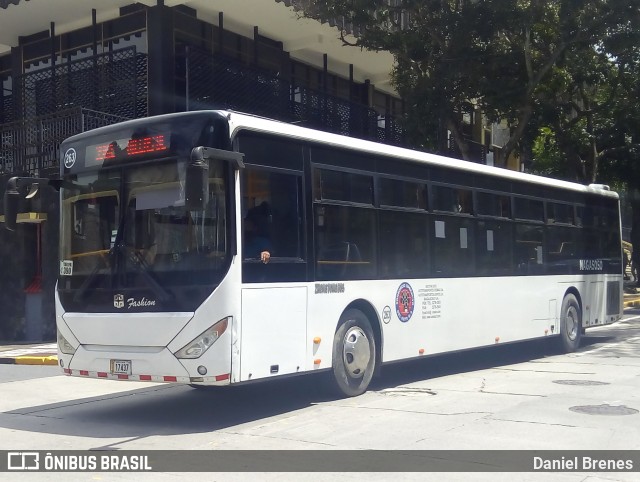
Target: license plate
x,y
121,367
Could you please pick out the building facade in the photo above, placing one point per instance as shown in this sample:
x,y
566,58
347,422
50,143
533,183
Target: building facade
x,y
69,66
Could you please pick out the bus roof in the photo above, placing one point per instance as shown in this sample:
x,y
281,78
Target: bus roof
x,y
239,120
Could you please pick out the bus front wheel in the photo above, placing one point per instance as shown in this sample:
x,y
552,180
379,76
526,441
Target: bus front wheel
x,y
570,324
354,354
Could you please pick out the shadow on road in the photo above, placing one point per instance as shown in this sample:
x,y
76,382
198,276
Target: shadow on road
x,y
175,409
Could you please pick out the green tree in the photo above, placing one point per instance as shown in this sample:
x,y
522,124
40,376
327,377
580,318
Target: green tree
x,y
510,58
586,105
430,40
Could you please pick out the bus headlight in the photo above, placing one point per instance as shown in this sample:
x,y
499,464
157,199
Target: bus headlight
x,y
201,343
64,345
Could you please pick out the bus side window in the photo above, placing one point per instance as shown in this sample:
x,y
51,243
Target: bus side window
x,y
452,245
271,210
404,244
345,243
452,199
335,260
528,254
493,247
562,248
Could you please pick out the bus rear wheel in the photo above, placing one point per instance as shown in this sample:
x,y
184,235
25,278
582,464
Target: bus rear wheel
x,y
354,354
570,324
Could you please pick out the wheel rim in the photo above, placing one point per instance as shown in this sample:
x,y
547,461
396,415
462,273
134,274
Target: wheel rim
x,y
571,323
356,352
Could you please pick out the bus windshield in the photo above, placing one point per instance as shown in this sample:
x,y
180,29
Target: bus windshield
x,y
126,230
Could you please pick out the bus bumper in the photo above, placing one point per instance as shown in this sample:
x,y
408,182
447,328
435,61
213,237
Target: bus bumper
x,y
144,364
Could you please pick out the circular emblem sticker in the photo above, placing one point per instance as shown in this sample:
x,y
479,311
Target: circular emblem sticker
x,y
69,158
386,314
404,302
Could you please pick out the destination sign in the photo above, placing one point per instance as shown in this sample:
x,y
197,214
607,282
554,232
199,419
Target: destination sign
x,y
125,148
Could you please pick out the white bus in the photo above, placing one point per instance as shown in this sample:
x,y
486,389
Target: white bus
x,y
376,253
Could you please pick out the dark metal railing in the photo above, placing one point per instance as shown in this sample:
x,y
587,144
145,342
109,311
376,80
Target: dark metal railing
x,y
477,152
30,146
49,104
6,109
57,102
216,81
112,82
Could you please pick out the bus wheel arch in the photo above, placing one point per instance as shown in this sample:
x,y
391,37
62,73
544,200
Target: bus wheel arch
x,y
367,309
570,321
356,349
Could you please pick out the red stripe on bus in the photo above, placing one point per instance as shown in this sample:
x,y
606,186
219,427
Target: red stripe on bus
x,y
84,372
219,378
123,377
102,374
145,377
67,371
170,379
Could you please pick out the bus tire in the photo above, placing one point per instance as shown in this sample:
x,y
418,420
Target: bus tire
x,y
570,324
354,354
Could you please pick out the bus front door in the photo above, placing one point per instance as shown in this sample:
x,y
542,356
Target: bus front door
x,y
273,331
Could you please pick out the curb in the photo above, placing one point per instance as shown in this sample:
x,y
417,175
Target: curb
x,y
30,360
37,360
632,303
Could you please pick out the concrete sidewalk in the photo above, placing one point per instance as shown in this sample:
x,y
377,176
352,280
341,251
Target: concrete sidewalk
x,y
46,354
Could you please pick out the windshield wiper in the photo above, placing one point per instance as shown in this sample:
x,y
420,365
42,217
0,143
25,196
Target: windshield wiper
x,y
143,267
118,253
84,287
137,260
117,256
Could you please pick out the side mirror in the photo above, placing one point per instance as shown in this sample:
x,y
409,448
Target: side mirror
x,y
197,179
11,202
196,185
12,197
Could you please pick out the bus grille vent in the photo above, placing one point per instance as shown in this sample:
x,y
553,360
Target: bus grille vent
x,y
613,297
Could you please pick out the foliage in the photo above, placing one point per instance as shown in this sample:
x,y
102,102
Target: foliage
x,y
547,155
590,112
564,66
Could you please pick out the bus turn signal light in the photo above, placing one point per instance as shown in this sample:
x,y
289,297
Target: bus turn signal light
x,y
317,340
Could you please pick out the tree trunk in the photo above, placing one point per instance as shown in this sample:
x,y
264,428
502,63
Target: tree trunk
x,y
576,168
516,134
592,160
